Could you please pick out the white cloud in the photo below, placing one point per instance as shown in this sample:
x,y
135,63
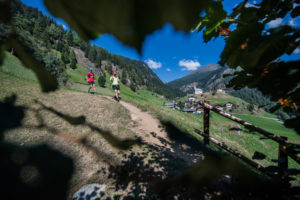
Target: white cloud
x,y
296,51
274,23
168,69
295,5
189,65
64,26
248,5
292,22
152,64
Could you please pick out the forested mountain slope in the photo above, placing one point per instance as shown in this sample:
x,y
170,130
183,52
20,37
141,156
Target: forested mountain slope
x,y
208,78
59,49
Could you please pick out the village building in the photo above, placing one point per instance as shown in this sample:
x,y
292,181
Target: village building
x,y
218,106
187,104
189,110
228,105
192,99
199,110
197,90
222,91
170,105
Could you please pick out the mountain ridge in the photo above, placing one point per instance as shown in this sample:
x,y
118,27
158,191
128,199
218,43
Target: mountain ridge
x,y
208,77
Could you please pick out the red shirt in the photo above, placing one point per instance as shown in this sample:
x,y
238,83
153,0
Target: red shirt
x,y
90,76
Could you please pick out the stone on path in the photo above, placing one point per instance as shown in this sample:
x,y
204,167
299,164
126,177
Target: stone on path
x,y
90,192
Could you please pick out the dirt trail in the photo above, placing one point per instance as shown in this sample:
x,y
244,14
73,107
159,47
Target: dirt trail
x,y
147,124
151,131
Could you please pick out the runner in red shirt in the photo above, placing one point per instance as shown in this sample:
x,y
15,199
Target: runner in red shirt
x,y
91,80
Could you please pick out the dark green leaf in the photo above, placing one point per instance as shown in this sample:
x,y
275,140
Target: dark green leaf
x,y
47,81
296,12
5,14
215,17
2,52
129,21
293,123
11,116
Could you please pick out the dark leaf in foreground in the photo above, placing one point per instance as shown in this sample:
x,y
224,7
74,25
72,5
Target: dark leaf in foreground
x,y
2,53
38,172
5,14
296,12
293,123
11,116
47,81
258,155
129,21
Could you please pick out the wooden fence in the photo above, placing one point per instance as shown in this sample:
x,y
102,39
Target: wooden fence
x,y
283,154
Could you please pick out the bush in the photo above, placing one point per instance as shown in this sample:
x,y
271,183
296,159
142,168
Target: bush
x,y
282,115
133,87
250,107
101,81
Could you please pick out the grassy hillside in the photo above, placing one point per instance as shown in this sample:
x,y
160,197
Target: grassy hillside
x,y
14,67
113,117
49,43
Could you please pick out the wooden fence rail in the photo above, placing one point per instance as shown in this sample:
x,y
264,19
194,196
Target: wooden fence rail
x,y
237,154
282,153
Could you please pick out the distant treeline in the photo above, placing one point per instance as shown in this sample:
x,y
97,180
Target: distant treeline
x,y
254,96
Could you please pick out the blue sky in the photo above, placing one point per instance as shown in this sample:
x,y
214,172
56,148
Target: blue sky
x,y
173,54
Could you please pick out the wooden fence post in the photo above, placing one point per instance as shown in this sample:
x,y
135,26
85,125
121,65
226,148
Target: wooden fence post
x,y
283,160
206,123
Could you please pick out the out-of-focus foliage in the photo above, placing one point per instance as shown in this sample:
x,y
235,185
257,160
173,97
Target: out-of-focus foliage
x,y
32,171
129,21
256,48
212,21
47,81
249,46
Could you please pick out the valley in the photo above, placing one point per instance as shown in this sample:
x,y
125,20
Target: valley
x,y
169,139
61,140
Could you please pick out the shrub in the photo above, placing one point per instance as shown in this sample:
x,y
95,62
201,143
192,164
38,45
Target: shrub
x,y
101,81
133,87
250,107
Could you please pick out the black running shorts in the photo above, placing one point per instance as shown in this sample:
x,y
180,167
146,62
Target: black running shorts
x,y
116,87
91,83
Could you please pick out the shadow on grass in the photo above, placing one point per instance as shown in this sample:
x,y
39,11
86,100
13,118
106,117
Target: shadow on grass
x,y
37,172
181,168
40,172
169,172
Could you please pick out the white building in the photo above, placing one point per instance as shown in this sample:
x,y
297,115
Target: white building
x,y
221,91
197,90
192,99
228,105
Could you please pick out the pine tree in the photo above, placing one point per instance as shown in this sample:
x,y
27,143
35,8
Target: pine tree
x,y
59,46
87,50
92,54
109,68
101,81
65,56
124,77
73,60
250,107
37,30
133,86
70,38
